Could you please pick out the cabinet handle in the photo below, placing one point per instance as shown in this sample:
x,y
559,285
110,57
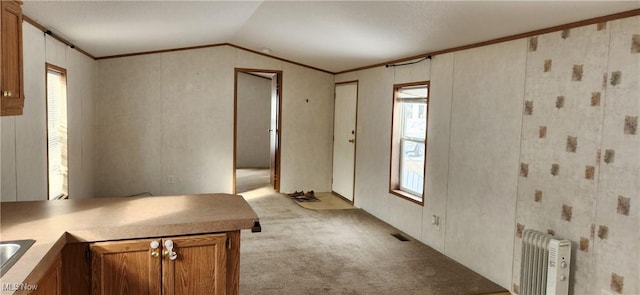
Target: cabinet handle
x,y
154,246
168,244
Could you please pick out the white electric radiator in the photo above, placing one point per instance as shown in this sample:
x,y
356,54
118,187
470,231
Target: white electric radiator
x,y
545,264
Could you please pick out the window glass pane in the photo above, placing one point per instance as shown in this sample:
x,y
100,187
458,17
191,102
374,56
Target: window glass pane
x,y
414,121
56,134
412,166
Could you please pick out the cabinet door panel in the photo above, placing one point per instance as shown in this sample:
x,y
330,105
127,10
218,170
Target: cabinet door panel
x,y
11,81
200,266
50,284
125,267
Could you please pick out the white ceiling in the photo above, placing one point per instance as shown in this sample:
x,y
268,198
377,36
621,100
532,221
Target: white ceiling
x,y
330,35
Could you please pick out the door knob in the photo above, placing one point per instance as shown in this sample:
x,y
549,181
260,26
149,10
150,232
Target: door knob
x,y
352,140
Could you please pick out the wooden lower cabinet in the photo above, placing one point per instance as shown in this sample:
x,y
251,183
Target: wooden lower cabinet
x,y
50,284
124,268
199,264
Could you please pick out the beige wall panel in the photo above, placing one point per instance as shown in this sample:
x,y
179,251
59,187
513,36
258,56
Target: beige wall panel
x,y
346,77
81,82
375,96
485,141
436,177
197,121
404,214
24,163
31,136
8,172
171,114
307,129
617,239
564,71
129,120
420,71
56,52
249,60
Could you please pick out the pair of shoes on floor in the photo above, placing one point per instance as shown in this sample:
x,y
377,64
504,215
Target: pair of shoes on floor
x,y
302,195
296,194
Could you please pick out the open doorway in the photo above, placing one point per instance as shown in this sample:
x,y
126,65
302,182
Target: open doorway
x,y
257,105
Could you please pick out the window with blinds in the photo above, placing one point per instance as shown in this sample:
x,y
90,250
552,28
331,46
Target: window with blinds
x,y
409,139
58,171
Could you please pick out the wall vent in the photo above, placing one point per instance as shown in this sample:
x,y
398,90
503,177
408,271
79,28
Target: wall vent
x,y
400,237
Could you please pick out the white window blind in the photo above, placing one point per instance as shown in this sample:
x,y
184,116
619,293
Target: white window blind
x,y
57,134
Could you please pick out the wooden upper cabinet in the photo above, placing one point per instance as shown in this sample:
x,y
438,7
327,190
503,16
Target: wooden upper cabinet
x,y
11,79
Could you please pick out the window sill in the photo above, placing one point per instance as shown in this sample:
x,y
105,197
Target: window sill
x,y
407,196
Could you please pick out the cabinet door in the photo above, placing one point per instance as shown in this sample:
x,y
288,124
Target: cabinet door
x,y
199,266
11,83
125,267
76,269
50,284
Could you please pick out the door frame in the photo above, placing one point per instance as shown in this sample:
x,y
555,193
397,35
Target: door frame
x,y
276,184
355,146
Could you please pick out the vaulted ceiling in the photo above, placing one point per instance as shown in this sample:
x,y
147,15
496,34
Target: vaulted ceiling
x,y
330,35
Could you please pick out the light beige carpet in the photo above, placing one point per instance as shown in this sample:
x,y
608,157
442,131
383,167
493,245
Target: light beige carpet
x,y
336,252
328,201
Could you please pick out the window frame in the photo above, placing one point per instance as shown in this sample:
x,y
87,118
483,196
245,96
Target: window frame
x,y
397,141
65,183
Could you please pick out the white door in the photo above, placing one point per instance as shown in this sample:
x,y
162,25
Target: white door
x,y
344,139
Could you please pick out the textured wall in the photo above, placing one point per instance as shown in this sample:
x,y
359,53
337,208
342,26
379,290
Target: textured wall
x,y
171,114
533,133
580,155
24,142
484,148
128,126
437,173
307,129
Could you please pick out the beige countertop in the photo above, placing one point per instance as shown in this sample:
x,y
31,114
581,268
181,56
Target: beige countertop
x,y
55,223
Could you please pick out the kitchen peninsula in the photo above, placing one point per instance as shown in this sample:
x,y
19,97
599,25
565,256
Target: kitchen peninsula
x,y
169,244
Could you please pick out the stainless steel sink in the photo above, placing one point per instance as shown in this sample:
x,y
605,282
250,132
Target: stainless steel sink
x,y
10,252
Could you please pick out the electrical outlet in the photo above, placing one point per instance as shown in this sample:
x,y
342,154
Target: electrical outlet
x,y
170,179
435,220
